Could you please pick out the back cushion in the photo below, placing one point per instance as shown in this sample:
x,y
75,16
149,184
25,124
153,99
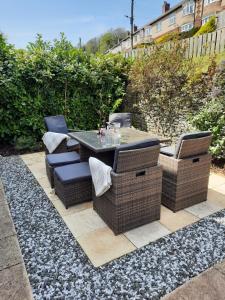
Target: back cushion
x,y
197,138
56,124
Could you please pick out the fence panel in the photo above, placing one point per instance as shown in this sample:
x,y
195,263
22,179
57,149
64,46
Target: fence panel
x,y
206,44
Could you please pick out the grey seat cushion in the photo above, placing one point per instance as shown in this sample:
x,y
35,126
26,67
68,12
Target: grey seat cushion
x,y
190,136
61,159
133,146
56,124
169,151
72,143
73,173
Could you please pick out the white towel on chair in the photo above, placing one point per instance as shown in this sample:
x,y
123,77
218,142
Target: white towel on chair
x,y
53,139
101,176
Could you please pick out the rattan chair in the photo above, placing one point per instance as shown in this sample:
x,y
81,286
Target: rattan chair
x,y
125,119
135,195
58,124
186,169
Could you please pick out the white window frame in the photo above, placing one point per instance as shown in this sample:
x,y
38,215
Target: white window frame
x,y
186,27
172,20
159,26
189,7
207,2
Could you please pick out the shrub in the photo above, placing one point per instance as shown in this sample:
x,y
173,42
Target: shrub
x,y
188,34
49,79
208,27
27,143
212,115
167,37
164,88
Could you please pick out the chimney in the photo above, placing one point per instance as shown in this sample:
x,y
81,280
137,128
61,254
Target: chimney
x,y
165,7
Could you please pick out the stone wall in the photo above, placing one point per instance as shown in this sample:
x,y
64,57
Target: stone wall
x,y
153,119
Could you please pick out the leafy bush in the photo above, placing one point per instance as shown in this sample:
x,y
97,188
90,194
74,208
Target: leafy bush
x,y
164,88
189,33
212,115
208,27
167,37
49,79
27,143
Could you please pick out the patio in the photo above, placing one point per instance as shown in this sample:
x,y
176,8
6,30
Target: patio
x,y
73,252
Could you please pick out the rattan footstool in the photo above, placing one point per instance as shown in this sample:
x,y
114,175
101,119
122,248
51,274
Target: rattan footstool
x,y
73,183
53,161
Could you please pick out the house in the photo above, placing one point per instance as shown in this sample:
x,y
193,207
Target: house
x,y
179,18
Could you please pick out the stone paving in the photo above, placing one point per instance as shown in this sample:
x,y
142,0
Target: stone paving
x,y
207,286
98,241
94,236
14,283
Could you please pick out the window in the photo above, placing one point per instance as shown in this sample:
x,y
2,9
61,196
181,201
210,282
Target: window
x,y
158,26
148,31
172,19
187,27
207,2
206,19
189,7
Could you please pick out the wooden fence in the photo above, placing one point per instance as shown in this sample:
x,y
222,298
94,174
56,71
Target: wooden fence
x,y
206,44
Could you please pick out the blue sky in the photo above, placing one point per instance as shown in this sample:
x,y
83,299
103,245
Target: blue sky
x,y
21,20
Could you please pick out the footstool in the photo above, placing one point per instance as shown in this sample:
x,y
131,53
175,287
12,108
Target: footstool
x,y
53,161
73,183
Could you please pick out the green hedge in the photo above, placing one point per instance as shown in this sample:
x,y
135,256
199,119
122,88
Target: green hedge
x,y
49,79
212,115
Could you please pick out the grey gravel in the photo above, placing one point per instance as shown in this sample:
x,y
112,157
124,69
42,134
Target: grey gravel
x,y
59,269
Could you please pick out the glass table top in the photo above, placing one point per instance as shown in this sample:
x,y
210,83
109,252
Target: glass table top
x,y
99,143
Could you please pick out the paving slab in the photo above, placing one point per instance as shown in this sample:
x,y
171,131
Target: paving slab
x,y
216,180
143,235
7,228
102,246
2,194
84,222
14,284
175,221
221,267
10,254
203,209
207,286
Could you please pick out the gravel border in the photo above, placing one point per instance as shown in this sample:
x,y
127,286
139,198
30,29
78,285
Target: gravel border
x,y
59,269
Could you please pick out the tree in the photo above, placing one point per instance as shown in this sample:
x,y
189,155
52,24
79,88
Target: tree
x,y
105,41
92,46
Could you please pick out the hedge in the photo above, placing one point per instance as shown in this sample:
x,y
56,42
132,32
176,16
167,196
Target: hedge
x,y
50,79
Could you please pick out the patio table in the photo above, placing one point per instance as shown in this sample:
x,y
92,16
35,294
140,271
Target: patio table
x,y
92,144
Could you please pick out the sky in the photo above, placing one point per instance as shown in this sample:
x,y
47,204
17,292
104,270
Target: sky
x,y
21,20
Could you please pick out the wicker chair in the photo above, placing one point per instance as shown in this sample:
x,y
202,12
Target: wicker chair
x,y
123,118
186,168
58,124
135,195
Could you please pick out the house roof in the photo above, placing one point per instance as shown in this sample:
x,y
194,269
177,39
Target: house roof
x,y
171,10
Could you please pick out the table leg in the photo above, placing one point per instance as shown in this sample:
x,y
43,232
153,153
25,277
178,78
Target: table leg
x,y
106,157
